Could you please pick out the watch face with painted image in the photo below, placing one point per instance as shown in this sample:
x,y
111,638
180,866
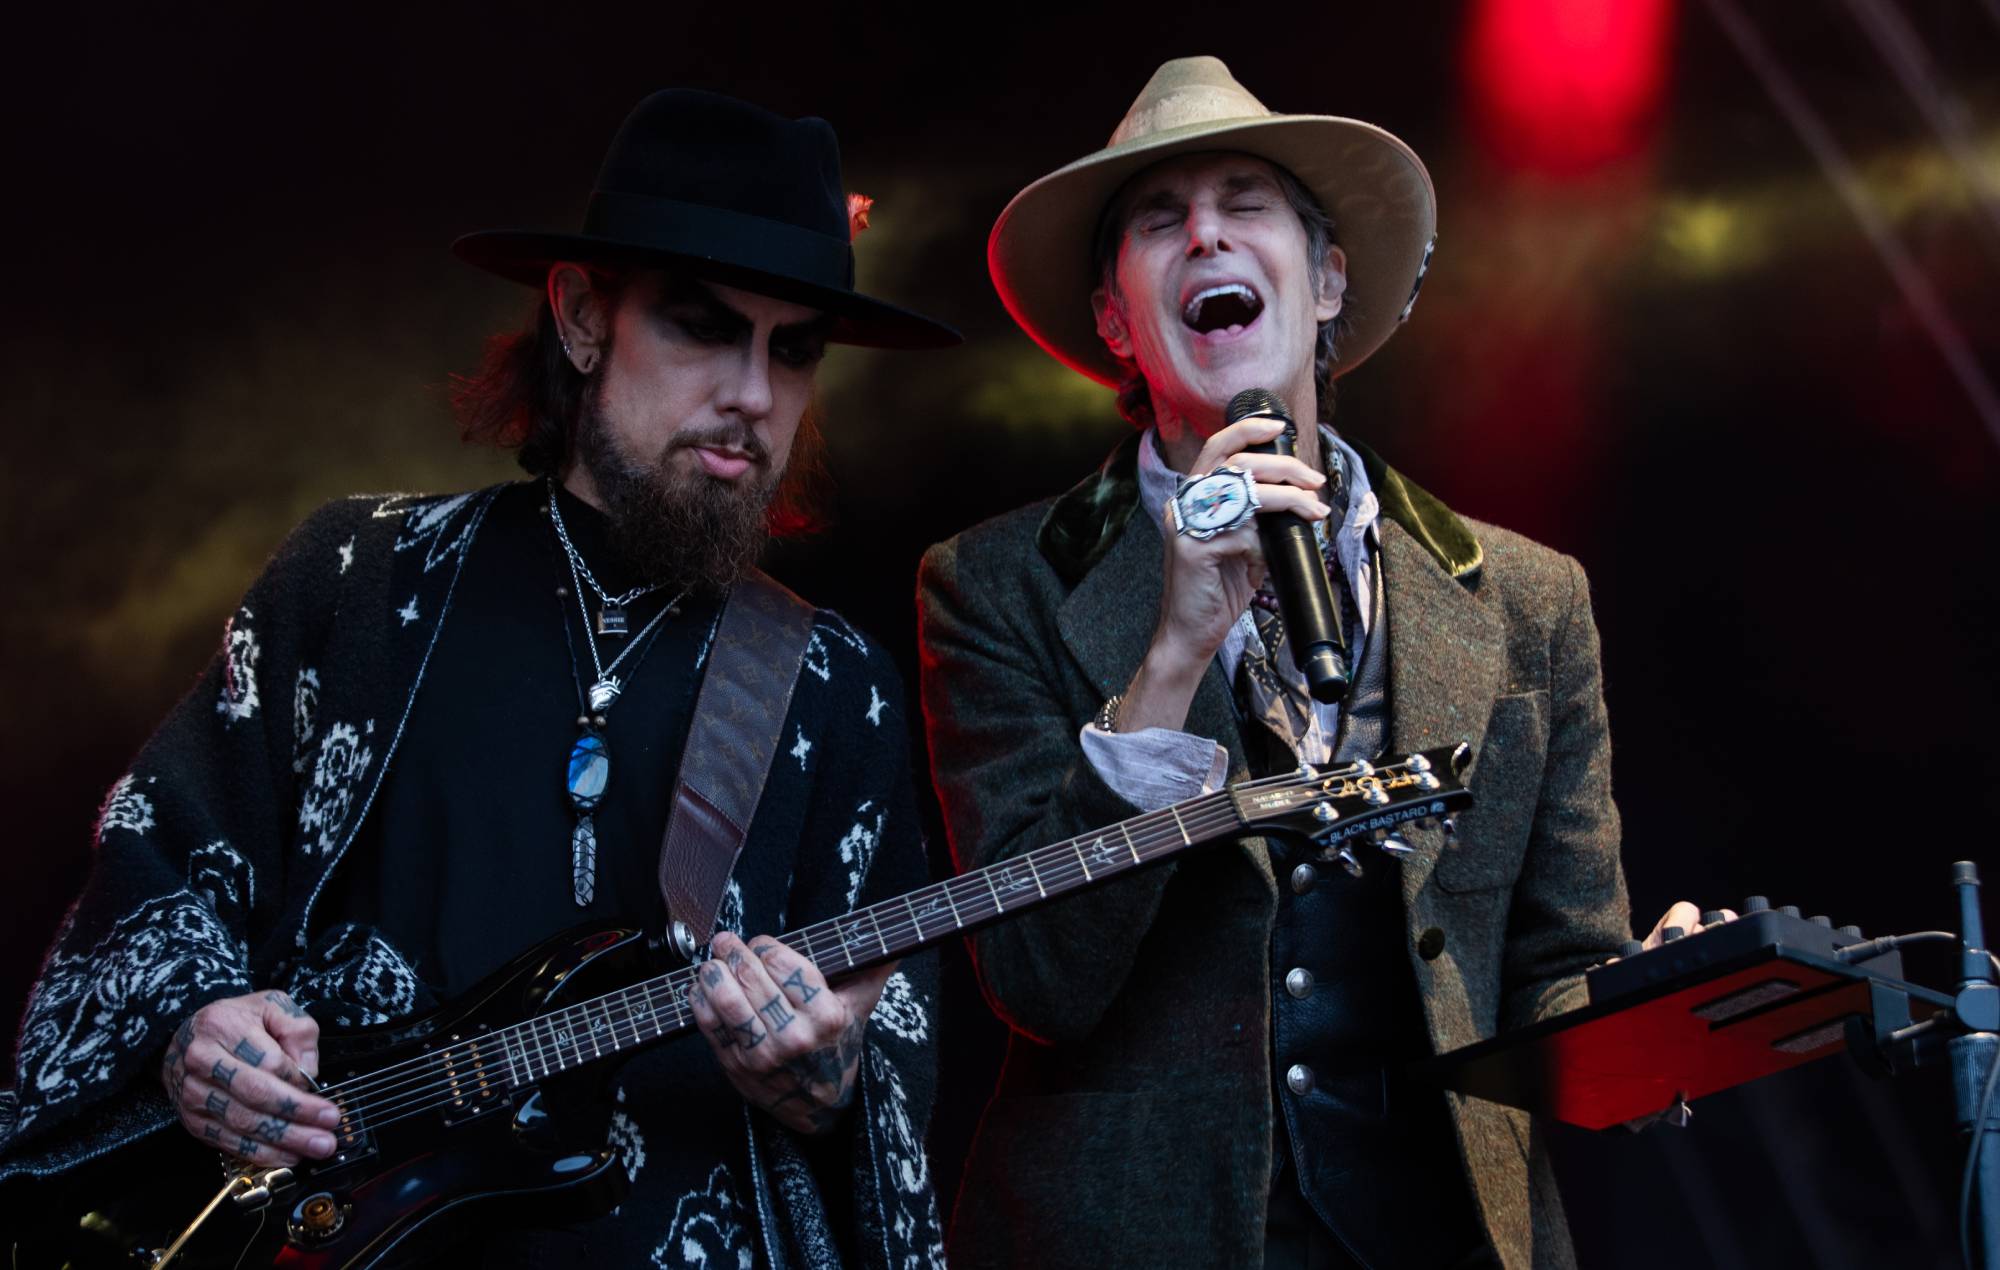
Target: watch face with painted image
x,y
1215,503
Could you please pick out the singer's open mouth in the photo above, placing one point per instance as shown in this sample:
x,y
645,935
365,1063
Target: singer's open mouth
x,y
1226,306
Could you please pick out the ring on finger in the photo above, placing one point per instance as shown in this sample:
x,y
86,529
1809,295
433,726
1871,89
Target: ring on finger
x,y
1223,500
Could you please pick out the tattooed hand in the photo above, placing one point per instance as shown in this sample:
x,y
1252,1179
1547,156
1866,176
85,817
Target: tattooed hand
x,y
233,1072
789,1043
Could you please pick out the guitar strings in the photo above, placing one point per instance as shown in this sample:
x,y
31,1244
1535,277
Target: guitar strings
x,y
394,1092
385,1104
408,1096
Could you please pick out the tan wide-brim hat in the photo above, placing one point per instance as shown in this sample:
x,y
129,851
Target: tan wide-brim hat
x,y
1375,188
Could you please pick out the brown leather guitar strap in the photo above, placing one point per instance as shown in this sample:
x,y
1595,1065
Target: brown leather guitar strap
x,y
753,664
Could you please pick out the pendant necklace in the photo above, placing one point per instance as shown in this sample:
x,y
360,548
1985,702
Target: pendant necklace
x,y
611,615
589,768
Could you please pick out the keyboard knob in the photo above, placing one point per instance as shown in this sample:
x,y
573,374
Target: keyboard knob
x,y
1631,948
1671,933
1713,917
1756,904
1789,910
1852,932
1822,920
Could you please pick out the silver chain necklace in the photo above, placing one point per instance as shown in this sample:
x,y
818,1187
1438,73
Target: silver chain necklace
x,y
611,611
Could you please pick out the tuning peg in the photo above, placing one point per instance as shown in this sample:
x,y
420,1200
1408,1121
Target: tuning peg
x,y
1362,767
1307,772
1451,826
1325,813
1396,846
1417,763
1375,796
1756,904
1348,862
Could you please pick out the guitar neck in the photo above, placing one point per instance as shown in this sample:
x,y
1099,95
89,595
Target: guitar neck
x,y
657,1008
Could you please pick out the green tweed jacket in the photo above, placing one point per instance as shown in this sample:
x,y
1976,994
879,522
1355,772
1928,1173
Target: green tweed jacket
x,y
1133,1122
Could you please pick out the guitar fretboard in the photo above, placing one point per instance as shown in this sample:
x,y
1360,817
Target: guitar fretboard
x,y
479,1070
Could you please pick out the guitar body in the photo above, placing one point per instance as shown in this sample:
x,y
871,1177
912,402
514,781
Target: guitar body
x,y
399,1190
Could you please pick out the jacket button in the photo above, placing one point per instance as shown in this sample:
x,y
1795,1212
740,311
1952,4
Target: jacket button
x,y
1299,982
1299,1079
1430,944
1303,878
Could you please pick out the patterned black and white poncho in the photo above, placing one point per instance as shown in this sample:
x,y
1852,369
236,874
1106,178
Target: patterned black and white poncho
x,y
212,855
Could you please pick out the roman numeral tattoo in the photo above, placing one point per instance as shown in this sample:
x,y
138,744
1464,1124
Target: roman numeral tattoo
x,y
248,1053
286,1004
752,1035
796,981
217,1104
775,1011
222,1074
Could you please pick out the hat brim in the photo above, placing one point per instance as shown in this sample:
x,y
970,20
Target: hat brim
x,y
1374,187
525,257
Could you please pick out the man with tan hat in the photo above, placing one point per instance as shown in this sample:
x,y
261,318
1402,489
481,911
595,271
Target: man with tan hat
x,y
1207,1058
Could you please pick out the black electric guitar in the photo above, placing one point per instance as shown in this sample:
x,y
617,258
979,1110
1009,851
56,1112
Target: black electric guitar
x,y
499,1096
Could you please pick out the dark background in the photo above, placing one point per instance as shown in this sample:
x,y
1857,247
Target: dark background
x,y
1654,336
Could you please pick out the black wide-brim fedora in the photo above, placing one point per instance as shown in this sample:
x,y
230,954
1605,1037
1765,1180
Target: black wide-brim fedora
x,y
730,193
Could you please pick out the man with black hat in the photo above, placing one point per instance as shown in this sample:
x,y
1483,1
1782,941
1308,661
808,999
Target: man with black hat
x,y
1206,1065
442,729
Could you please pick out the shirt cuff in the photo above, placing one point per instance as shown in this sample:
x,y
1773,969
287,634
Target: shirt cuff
x,y
1155,767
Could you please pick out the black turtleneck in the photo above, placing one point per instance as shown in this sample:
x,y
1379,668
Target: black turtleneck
x,y
465,858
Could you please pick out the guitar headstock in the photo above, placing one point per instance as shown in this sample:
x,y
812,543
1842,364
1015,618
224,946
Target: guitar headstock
x,y
1338,808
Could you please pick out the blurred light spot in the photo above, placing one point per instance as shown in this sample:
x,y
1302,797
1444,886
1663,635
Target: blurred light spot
x,y
1023,390
1707,236
1563,86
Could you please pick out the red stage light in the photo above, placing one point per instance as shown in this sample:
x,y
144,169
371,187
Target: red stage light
x,y
1562,86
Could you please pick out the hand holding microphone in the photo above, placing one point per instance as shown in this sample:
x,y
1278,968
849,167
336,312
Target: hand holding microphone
x,y
1208,578
1295,568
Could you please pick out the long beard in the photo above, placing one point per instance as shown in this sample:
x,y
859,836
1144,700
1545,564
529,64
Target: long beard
x,y
676,525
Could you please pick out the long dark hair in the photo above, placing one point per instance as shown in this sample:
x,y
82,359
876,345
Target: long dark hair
x,y
527,395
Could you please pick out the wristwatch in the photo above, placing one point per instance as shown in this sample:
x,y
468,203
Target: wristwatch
x,y
1205,506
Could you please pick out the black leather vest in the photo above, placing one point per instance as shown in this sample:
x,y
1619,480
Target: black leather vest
x,y
1373,1156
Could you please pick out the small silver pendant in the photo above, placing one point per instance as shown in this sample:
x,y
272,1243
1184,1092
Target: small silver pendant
x,y
603,693
583,861
611,619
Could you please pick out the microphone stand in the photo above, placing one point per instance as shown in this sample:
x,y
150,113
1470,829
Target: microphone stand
x,y
1969,1034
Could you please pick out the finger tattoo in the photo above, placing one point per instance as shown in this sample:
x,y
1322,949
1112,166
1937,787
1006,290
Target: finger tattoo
x,y
797,981
222,1074
246,1146
775,1011
286,1004
765,949
186,1035
289,1108
271,1129
711,975
735,958
212,1132
216,1103
752,1034
723,1036
249,1053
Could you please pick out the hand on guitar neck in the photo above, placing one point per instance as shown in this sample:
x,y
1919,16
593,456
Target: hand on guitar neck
x,y
788,1043
239,1072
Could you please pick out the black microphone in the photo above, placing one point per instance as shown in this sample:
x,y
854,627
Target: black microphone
x,y
1297,573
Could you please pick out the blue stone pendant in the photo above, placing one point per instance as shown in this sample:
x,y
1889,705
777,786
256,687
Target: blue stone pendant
x,y
589,770
589,774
